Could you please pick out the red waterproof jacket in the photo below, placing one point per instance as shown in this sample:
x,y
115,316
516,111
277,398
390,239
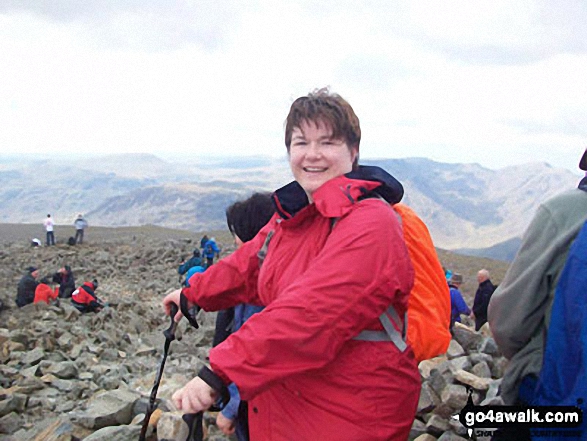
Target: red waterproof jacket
x,y
44,293
296,361
84,295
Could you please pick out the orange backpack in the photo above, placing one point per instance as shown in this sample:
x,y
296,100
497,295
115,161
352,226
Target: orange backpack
x,y
429,302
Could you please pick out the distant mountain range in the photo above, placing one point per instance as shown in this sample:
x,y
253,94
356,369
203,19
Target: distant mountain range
x,y
468,208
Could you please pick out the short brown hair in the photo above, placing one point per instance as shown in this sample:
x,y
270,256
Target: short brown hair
x,y
329,108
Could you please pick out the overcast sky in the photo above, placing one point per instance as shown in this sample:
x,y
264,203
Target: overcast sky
x,y
493,82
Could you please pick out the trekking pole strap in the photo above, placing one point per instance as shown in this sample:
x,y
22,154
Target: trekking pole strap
x,y
216,383
185,310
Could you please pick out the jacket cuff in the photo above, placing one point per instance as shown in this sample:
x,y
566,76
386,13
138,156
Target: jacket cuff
x,y
187,291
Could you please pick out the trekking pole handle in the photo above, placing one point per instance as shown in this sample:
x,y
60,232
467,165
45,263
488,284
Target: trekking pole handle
x,y
170,332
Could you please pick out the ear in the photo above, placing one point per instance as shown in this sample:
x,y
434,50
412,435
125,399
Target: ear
x,y
354,154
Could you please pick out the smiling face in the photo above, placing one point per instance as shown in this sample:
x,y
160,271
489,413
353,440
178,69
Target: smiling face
x,y
314,157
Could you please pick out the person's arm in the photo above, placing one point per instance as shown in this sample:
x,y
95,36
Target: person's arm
x,y
362,269
462,305
231,281
183,268
517,308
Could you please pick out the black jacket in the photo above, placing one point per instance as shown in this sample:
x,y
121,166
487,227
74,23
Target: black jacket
x,y
25,292
481,302
66,283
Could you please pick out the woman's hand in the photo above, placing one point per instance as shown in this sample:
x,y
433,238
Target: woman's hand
x,y
173,297
195,396
226,425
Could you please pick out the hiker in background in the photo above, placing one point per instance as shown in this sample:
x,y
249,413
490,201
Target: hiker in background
x,y
210,250
44,293
245,219
84,298
194,261
25,292
203,241
308,364
49,224
447,273
520,307
482,296
64,277
80,225
457,303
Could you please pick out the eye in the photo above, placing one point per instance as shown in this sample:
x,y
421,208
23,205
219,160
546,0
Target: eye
x,y
299,143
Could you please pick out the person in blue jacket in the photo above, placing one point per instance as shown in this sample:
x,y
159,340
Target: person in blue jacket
x,y
457,303
210,250
186,267
245,219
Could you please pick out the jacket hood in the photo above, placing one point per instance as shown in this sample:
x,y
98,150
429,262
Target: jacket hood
x,y
335,197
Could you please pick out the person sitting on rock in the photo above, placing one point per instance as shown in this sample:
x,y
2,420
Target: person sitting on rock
x,y
186,266
64,276
44,293
84,298
25,292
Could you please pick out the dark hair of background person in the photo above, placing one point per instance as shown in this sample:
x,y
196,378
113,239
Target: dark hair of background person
x,y
246,218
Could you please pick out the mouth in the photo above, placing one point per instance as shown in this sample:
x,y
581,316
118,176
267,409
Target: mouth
x,y
314,169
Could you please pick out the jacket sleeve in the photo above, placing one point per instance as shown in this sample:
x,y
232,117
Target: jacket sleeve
x,y
230,411
517,308
362,269
462,305
232,280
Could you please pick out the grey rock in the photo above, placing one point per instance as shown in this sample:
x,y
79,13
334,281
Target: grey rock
x,y
116,433
64,370
108,409
33,357
171,427
499,367
439,381
455,350
418,428
478,357
472,380
467,337
10,423
455,396
461,363
489,347
426,437
450,436
437,425
481,370
13,403
428,399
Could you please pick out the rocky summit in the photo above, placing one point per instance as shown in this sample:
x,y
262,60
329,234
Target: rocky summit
x,y
68,376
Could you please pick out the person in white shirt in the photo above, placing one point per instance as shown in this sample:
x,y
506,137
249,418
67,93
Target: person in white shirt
x,y
48,223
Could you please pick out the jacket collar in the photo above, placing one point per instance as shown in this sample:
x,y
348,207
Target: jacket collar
x,y
336,197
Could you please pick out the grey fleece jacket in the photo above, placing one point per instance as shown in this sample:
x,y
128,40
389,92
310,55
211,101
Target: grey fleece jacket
x,y
519,310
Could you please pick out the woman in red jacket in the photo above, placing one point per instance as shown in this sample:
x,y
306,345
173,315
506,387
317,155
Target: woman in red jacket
x,y
313,364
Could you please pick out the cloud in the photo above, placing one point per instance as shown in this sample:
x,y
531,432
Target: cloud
x,y
147,25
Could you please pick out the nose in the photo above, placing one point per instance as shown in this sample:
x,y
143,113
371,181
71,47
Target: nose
x,y
314,151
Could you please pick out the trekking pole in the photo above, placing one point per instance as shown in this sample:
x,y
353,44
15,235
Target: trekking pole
x,y
169,337
195,421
